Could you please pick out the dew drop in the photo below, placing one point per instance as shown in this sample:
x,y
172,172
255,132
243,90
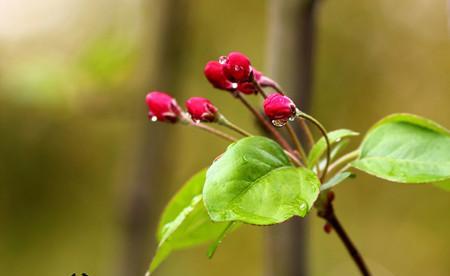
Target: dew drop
x,y
234,85
237,68
154,118
279,123
303,206
292,118
223,59
197,121
338,140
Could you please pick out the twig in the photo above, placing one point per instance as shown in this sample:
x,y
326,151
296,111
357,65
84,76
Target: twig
x,y
225,122
305,130
299,146
331,218
342,160
213,131
323,131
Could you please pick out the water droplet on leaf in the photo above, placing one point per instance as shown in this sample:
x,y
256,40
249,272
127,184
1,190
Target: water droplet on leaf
x,y
303,206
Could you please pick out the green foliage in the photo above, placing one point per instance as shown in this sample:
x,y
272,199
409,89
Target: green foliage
x,y
320,147
185,221
406,148
254,182
336,179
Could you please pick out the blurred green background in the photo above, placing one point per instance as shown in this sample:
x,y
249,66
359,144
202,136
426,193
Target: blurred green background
x,y
73,76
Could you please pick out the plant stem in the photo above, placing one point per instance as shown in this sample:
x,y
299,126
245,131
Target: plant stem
x,y
299,147
213,131
324,134
293,158
343,160
331,218
266,124
259,88
225,122
305,129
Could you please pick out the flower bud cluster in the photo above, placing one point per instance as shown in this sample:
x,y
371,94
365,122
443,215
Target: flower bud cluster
x,y
164,108
233,73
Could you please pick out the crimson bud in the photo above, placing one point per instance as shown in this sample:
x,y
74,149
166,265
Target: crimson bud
x,y
279,107
162,107
248,87
216,76
327,228
237,67
201,109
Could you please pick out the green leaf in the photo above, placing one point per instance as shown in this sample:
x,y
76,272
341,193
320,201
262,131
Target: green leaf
x,y
406,148
212,249
320,147
336,179
254,182
445,185
185,221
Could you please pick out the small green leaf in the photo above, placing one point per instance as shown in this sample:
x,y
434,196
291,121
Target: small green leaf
x,y
320,147
213,247
254,182
406,148
336,179
185,221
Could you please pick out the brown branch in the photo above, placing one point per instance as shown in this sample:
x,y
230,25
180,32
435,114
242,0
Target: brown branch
x,y
329,215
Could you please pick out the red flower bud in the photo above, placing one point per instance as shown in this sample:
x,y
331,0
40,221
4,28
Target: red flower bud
x,y
215,75
237,67
201,109
257,75
279,108
247,88
327,228
162,107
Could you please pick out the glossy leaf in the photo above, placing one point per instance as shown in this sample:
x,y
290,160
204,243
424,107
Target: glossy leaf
x,y
185,221
406,148
254,182
335,180
320,147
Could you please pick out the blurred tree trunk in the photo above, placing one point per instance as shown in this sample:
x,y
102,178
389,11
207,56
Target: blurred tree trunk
x,y
291,45
163,47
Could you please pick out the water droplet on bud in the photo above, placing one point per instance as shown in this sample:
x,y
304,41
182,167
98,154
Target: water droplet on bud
x,y
292,118
154,118
223,59
237,68
234,85
279,123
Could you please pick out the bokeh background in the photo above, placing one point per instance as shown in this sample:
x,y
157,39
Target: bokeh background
x,y
75,140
